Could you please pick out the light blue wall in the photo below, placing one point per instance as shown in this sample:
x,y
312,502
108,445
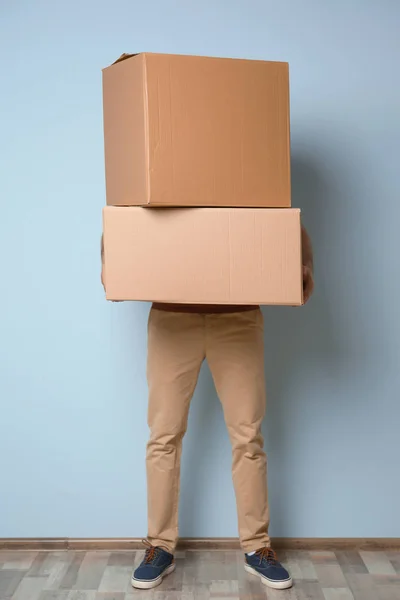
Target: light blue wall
x,y
72,380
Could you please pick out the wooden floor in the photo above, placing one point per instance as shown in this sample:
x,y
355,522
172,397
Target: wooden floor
x,y
100,575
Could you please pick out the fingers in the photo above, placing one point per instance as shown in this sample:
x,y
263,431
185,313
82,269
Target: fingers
x,y
308,284
103,281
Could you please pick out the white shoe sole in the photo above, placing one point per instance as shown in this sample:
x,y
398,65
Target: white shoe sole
x,y
276,585
152,583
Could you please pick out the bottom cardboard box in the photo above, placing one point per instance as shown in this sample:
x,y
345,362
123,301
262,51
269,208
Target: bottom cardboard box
x,y
203,255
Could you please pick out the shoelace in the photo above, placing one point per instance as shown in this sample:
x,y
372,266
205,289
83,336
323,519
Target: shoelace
x,y
268,555
151,552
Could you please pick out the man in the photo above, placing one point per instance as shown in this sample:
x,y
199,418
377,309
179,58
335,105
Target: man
x,y
180,338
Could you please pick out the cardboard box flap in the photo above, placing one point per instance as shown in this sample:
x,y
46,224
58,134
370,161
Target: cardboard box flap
x,y
124,56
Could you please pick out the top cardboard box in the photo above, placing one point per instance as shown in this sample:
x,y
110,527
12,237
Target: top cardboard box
x,y
196,131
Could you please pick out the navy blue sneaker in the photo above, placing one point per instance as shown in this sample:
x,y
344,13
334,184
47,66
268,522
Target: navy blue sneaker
x,y
157,563
265,565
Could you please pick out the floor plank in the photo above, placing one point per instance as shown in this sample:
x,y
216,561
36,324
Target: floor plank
x,y
394,560
81,595
70,577
116,579
351,562
19,560
338,594
9,581
330,575
54,595
362,586
309,590
55,567
29,588
377,563
91,570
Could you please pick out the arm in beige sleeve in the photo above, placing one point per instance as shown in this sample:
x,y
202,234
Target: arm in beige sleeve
x,y
307,251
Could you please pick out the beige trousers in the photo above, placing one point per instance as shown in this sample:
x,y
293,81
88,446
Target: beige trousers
x,y
233,345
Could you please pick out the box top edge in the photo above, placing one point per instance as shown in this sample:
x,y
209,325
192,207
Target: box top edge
x,y
126,56
278,209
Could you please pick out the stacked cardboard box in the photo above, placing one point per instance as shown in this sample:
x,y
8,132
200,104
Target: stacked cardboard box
x,y
198,182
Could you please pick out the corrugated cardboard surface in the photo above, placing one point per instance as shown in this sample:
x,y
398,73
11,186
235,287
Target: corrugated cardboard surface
x,y
203,255
197,131
125,144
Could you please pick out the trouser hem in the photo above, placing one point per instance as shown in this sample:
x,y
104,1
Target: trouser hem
x,y
253,546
